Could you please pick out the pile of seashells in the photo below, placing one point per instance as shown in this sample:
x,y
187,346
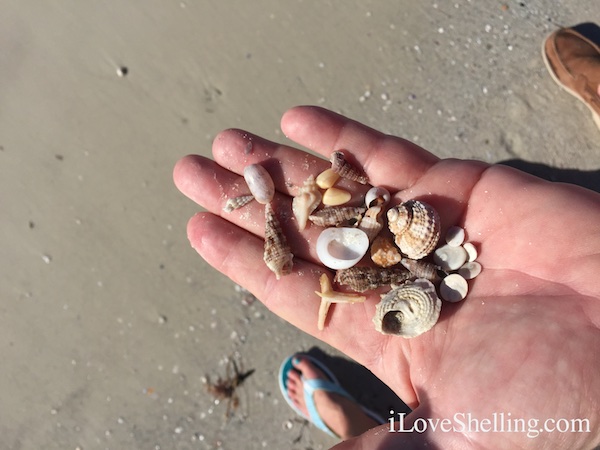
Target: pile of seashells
x,y
411,261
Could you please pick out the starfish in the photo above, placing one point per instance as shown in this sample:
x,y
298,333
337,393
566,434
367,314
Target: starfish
x,y
329,296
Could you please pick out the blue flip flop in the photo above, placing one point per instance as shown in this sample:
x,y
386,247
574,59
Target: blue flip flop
x,y
311,386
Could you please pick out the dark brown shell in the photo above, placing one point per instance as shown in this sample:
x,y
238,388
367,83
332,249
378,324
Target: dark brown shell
x,y
361,279
346,170
336,215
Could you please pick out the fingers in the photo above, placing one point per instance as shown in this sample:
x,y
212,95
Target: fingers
x,y
387,160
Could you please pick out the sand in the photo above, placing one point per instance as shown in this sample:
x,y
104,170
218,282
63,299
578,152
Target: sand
x,y
109,321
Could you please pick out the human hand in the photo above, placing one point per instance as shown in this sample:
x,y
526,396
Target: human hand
x,y
524,342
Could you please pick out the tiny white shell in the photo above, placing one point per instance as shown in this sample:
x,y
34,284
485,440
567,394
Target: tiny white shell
x,y
377,192
454,288
450,258
260,183
471,251
341,248
455,236
470,270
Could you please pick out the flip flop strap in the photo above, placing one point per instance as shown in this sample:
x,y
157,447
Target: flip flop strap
x,y
310,387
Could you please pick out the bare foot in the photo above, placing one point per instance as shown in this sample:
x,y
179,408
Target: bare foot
x,y
343,416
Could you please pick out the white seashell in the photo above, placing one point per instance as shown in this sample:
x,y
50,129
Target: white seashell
x,y
327,179
408,310
335,197
260,183
455,236
450,258
470,270
471,251
382,195
416,227
306,201
237,202
372,223
341,248
454,288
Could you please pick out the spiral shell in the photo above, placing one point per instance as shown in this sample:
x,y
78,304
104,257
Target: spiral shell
x,y
336,215
306,201
260,183
345,169
416,227
423,269
372,222
408,310
277,254
237,202
361,279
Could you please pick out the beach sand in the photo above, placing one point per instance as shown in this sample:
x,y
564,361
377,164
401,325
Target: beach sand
x,y
109,321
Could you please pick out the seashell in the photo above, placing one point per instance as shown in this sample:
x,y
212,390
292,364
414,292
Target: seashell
x,y
379,194
341,248
237,202
416,227
470,270
423,269
450,258
306,201
336,215
361,279
455,236
260,183
408,310
371,223
335,197
277,254
471,251
327,178
454,288
346,170
384,253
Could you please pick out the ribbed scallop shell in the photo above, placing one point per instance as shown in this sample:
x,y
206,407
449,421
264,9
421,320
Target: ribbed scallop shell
x,y
408,310
306,201
416,227
277,255
346,170
336,215
361,279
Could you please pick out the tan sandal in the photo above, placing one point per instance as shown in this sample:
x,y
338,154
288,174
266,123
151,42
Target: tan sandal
x,y
574,63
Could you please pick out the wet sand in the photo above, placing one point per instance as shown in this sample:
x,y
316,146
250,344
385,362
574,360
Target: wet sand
x,y
109,322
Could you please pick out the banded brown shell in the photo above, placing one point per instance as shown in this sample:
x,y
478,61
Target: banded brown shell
x,y
341,166
336,215
408,310
361,279
423,269
277,253
416,227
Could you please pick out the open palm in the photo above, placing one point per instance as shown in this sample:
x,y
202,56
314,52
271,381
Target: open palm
x,y
525,343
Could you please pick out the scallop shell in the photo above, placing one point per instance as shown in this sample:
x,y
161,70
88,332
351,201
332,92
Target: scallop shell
x,y
372,223
408,310
423,269
361,279
341,248
416,226
277,254
450,258
377,194
336,215
345,169
306,201
237,202
260,183
384,253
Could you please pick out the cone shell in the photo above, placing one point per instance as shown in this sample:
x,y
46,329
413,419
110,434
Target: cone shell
x,y
346,170
277,254
384,253
361,279
336,215
416,227
306,201
408,310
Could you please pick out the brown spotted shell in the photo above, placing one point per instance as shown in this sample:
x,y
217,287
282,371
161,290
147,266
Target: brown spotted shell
x,y
408,310
361,279
337,215
277,253
343,168
416,227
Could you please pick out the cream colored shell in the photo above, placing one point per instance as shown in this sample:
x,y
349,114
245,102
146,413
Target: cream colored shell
x,y
416,227
408,310
307,200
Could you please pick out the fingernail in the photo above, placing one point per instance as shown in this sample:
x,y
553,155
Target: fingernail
x,y
296,360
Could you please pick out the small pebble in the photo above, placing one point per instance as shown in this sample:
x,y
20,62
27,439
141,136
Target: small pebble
x,y
455,236
454,288
470,270
450,258
471,251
